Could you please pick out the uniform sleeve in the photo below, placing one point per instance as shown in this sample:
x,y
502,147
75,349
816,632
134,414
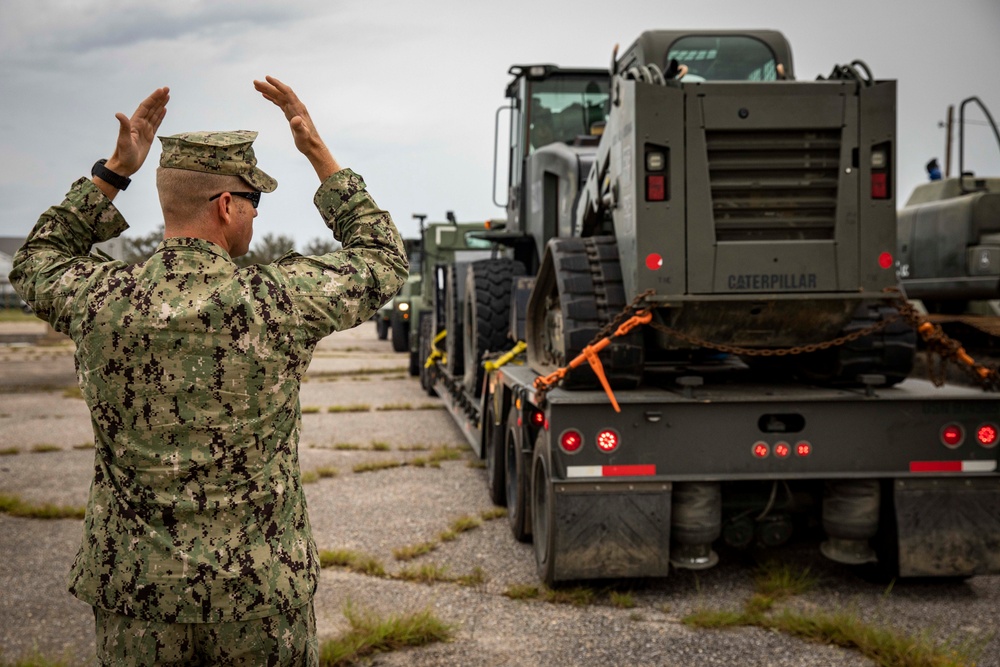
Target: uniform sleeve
x,y
53,271
344,288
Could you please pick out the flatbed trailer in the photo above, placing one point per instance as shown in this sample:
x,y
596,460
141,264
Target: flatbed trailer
x,y
905,475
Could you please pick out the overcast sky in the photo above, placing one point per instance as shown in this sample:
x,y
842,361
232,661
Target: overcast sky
x,y
404,92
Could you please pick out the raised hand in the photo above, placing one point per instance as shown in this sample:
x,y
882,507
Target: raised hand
x,y
136,134
304,132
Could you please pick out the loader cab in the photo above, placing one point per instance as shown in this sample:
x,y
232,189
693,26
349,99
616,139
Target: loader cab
x,y
556,115
753,55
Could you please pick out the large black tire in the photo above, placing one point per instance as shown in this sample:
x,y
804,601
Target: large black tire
x,y
542,512
414,368
486,315
493,452
426,337
889,352
579,290
517,481
400,335
453,323
381,328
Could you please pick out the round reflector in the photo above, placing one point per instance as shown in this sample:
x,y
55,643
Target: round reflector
x,y
760,449
570,441
952,435
654,261
885,260
988,435
803,448
607,440
781,450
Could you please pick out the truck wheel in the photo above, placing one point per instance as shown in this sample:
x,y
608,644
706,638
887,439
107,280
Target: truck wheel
x,y
516,481
543,513
453,324
381,328
414,368
400,335
486,315
424,351
493,446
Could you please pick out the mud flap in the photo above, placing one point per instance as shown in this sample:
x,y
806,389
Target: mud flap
x,y
616,530
948,527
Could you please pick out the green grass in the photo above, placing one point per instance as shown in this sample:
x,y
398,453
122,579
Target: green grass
x,y
16,315
378,446
34,659
352,560
84,445
493,513
72,392
622,600
388,407
327,471
355,407
11,504
885,646
370,634
414,550
578,596
475,578
373,466
310,409
429,573
347,447
42,448
9,451
310,477
414,448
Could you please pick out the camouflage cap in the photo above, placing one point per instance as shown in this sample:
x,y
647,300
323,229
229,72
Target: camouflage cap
x,y
229,153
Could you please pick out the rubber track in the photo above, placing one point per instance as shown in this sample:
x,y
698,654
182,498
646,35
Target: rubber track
x,y
591,294
889,352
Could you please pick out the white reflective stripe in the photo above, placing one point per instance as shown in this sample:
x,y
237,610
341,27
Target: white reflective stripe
x,y
979,466
584,471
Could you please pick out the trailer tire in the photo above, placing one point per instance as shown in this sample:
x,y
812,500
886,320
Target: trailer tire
x,y
400,335
543,513
486,315
516,481
453,323
493,450
414,369
381,328
426,336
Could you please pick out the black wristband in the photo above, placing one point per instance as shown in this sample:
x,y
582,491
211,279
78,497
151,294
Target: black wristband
x,y
108,176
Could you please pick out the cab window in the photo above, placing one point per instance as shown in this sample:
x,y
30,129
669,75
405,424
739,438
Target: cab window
x,y
724,58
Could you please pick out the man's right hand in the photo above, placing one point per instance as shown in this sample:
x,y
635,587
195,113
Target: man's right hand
x,y
304,132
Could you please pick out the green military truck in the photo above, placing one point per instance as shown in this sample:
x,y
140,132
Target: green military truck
x,y
699,255
446,246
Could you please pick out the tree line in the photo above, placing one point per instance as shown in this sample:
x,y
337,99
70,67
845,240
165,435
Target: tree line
x,y
263,250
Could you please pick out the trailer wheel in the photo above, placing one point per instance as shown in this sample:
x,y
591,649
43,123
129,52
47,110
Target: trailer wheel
x,y
381,328
414,368
400,335
486,315
516,481
542,513
493,447
453,324
424,351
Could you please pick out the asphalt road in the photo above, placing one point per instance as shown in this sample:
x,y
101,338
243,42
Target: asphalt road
x,y
377,512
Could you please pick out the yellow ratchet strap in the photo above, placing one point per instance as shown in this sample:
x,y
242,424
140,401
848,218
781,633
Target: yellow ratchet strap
x,y
506,358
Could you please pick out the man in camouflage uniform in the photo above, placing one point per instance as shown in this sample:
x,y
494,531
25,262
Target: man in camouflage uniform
x,y
197,547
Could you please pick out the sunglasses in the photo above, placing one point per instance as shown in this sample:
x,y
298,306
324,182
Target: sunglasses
x,y
252,197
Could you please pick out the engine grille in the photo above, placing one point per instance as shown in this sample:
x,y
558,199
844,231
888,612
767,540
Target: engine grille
x,y
774,184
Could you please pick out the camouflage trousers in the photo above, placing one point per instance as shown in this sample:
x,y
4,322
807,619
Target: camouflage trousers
x,y
281,640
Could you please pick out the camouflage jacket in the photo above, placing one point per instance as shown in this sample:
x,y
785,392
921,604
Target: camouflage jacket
x,y
191,368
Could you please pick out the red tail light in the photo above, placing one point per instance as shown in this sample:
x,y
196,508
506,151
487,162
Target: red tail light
x,y
952,435
803,448
537,419
885,260
761,450
570,441
782,450
608,441
987,435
